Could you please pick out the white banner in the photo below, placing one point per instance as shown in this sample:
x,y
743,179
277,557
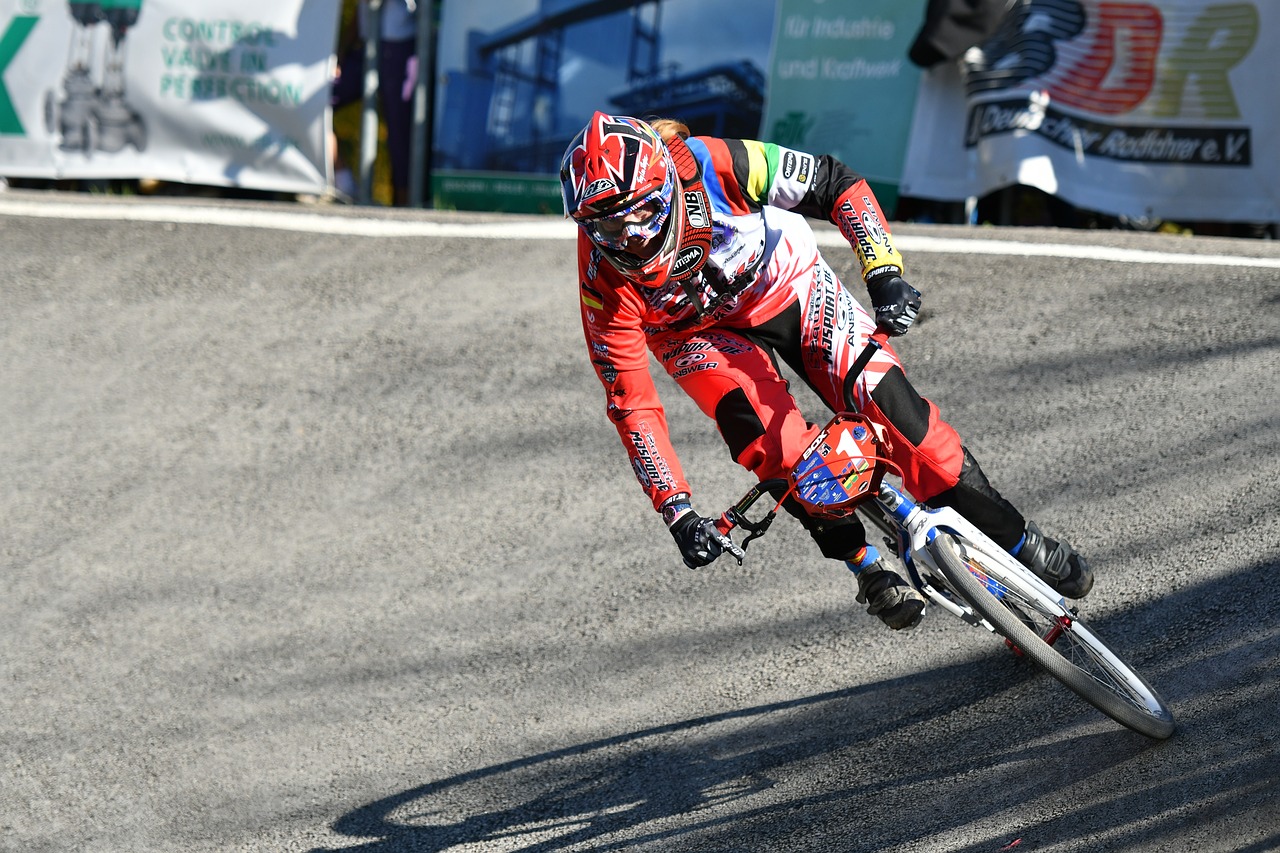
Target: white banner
x,y
1164,109
216,92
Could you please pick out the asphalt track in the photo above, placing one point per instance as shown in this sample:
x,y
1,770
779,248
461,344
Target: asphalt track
x,y
315,537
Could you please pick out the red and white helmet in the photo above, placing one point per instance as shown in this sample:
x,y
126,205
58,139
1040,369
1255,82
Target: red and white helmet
x,y
618,181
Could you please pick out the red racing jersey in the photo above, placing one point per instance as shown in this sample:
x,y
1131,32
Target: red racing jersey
x,y
754,189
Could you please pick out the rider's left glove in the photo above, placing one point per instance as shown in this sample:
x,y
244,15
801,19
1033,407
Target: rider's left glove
x,y
696,536
896,303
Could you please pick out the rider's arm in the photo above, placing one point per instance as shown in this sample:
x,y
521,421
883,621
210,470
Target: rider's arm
x,y
761,173
611,317
752,174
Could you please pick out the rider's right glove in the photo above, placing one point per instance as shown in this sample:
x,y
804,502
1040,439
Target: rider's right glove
x,y
896,302
697,537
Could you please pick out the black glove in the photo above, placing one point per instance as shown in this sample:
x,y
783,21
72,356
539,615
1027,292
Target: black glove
x,y
896,302
699,541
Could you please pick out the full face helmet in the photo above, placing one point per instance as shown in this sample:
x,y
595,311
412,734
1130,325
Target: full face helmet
x,y
619,181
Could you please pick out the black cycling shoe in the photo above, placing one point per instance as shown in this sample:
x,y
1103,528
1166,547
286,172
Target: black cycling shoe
x,y
888,596
1056,563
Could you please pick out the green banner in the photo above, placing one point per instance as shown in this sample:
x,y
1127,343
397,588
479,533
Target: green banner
x,y
504,192
840,83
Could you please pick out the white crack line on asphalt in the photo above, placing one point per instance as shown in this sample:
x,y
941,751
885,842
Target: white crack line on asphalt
x,y
560,229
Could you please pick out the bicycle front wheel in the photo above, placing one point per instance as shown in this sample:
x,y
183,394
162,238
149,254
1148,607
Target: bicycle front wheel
x,y
1040,626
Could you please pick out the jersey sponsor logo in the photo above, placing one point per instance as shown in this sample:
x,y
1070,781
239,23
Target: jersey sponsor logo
x,y
875,229
706,343
806,169
797,167
608,372
864,229
690,257
851,227
651,469
820,321
695,207
819,318
685,371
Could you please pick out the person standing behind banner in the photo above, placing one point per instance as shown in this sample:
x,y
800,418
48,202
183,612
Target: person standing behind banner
x,y
397,75
951,27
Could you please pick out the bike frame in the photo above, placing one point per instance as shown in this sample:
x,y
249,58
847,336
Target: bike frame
x,y
919,525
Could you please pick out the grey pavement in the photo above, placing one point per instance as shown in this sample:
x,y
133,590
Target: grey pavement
x,y
320,540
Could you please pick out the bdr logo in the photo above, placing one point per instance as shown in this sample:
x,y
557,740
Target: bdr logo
x,y
14,35
1116,69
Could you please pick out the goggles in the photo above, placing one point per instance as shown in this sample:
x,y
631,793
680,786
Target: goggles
x,y
643,219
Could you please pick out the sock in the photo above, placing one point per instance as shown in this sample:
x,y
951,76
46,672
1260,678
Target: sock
x,y
864,558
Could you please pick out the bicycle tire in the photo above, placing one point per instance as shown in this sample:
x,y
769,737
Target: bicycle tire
x,y
1076,656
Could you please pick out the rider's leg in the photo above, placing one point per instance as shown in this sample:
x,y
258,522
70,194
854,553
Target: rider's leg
x,y
936,467
928,440
734,380
927,446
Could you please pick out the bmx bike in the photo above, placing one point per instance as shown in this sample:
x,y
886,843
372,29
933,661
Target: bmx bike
x,y
954,565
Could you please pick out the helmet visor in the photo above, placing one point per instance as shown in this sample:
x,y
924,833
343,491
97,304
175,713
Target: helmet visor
x,y
644,219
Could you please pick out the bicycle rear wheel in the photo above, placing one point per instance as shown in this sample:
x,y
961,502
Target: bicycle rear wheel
x,y
1038,624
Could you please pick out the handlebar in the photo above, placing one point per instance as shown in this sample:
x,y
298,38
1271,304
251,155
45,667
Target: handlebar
x,y
875,343
736,515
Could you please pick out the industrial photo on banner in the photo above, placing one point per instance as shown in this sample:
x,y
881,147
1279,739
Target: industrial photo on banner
x,y
216,92
517,78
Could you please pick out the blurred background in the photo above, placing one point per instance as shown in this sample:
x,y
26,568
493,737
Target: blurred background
x,y
1147,115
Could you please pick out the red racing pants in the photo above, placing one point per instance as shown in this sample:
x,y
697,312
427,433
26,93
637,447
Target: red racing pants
x,y
733,375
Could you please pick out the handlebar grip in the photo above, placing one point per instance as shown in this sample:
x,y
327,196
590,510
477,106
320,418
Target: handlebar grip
x,y
875,343
724,524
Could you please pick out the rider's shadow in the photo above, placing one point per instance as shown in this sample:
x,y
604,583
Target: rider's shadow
x,y
577,797
825,765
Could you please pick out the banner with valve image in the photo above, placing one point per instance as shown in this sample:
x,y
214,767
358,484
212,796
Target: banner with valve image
x,y
214,92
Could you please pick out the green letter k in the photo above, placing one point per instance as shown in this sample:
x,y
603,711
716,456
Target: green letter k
x,y
12,39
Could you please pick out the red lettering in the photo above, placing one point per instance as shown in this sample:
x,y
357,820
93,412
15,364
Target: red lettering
x,y
1119,69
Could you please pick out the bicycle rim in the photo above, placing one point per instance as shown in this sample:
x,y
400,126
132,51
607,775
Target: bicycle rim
x,y
1043,629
